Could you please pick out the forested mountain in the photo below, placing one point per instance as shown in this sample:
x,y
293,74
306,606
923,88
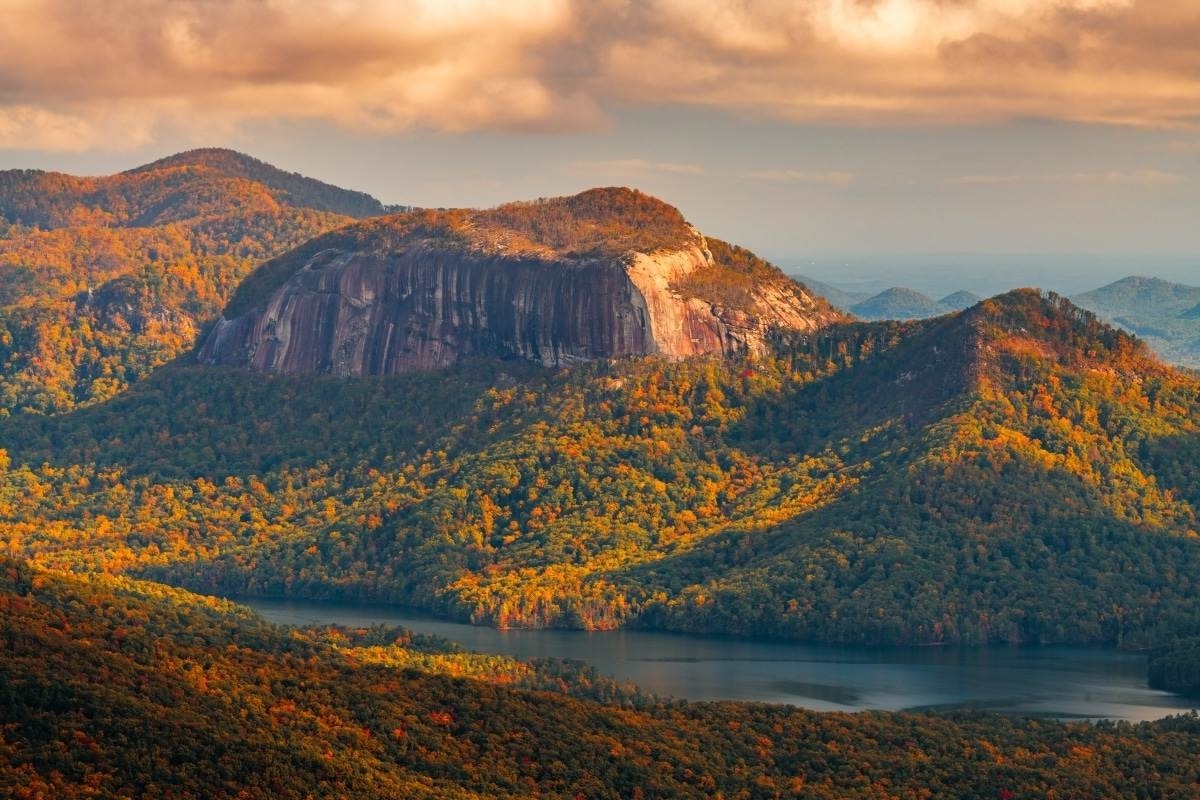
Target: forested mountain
x,y
112,688
290,188
901,303
104,279
1016,472
1165,314
957,301
837,297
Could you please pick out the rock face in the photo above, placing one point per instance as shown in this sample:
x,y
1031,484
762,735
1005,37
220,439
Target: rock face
x,y
603,275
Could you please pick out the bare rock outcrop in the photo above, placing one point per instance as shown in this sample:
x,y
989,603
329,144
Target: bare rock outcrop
x,y
602,275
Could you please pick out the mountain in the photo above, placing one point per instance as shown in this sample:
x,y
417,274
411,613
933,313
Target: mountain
x,y
901,303
104,279
957,301
608,273
112,688
291,188
1015,472
838,298
896,303
1166,315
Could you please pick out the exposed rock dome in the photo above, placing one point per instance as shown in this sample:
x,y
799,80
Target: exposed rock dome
x,y
604,274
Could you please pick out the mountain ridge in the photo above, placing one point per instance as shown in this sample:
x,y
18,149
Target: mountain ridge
x,y
1005,474
296,188
1164,313
104,279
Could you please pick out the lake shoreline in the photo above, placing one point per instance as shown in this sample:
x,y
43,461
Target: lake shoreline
x,y
1061,681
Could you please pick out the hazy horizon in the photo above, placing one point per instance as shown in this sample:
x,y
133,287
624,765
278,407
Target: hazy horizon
x,y
985,274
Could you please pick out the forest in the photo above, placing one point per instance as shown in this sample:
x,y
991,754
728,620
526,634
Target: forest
x,y
1017,473
223,705
103,280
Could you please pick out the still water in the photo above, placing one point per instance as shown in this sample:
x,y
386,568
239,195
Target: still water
x,y
1066,682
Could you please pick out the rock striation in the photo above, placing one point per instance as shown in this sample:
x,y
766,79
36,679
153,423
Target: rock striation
x,y
607,274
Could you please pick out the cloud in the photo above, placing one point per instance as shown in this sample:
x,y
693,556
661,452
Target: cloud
x,y
801,176
1143,177
78,75
627,165
367,65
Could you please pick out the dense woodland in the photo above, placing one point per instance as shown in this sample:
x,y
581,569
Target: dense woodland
x,y
115,688
1017,473
102,280
1176,668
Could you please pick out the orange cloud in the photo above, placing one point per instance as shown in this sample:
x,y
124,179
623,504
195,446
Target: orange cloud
x,y
80,75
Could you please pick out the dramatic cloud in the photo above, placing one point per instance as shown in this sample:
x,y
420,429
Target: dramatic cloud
x,y
80,75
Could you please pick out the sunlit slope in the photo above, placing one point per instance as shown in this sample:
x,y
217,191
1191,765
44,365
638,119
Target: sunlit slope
x,y
1017,472
111,688
104,279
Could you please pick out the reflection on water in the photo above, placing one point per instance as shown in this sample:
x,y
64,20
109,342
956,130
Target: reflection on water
x,y
1067,682
829,693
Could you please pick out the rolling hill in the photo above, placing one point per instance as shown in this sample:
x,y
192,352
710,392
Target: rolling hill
x,y
104,279
113,688
1165,314
901,303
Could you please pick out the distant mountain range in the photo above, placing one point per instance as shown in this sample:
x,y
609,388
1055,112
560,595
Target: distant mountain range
x,y
1165,314
897,302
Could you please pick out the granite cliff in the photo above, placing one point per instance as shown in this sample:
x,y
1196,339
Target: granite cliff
x,y
604,274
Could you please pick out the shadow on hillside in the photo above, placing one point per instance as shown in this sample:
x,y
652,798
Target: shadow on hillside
x,y
972,552
900,376
186,421
1175,463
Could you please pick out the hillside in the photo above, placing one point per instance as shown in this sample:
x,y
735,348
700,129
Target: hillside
x,y
1018,472
1176,667
1164,314
111,688
290,188
837,297
957,301
608,273
104,279
901,303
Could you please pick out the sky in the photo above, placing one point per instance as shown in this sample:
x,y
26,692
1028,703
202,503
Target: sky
x,y
938,143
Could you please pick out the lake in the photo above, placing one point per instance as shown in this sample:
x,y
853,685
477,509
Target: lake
x,y
1065,682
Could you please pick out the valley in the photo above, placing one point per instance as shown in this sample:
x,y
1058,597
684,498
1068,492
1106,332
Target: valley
x,y
1046,681
581,427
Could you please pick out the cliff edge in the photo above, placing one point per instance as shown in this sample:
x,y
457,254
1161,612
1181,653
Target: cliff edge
x,y
605,274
